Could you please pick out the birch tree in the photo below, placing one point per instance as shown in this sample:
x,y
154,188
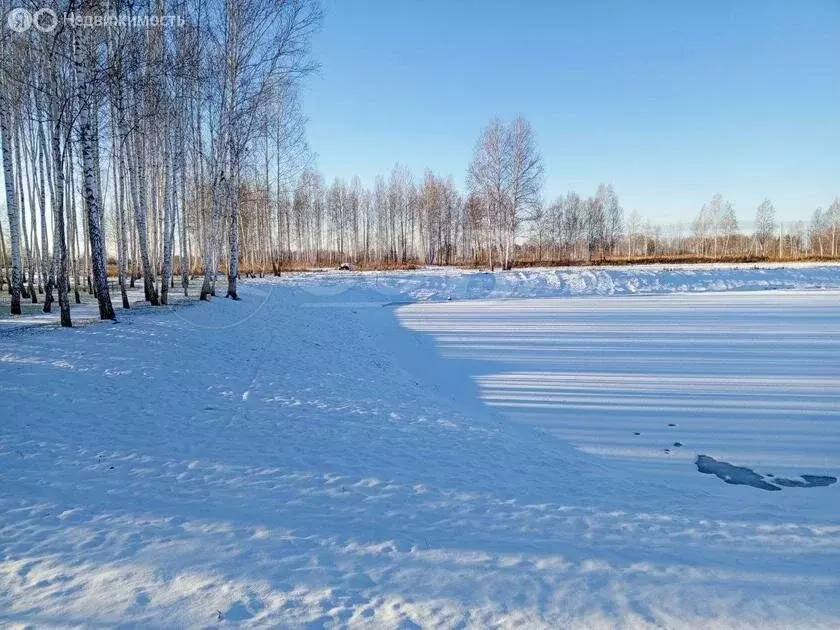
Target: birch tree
x,y
88,137
525,179
506,174
765,223
6,139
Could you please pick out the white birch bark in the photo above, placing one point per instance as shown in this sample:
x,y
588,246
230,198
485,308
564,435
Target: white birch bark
x,y
87,138
59,241
138,200
168,221
11,201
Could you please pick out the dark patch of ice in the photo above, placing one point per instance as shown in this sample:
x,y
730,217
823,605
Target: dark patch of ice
x,y
740,475
736,475
808,481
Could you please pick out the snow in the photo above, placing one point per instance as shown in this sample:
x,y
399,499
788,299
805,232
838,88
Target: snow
x,y
434,284
750,377
359,450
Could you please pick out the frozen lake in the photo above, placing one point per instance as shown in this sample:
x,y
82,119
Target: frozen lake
x,y
749,378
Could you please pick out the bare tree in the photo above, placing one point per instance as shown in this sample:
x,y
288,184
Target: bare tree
x,y
506,175
525,179
765,223
613,217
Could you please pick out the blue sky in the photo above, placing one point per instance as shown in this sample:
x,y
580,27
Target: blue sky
x,y
668,101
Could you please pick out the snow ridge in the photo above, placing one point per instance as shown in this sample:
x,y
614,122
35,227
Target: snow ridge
x,y
459,284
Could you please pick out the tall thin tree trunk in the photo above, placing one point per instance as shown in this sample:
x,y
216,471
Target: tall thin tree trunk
x,y
28,291
4,261
119,200
138,202
87,138
11,201
47,270
233,263
168,196
74,227
185,258
59,241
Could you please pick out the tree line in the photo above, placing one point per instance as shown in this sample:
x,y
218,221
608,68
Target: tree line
x,y
178,150
572,229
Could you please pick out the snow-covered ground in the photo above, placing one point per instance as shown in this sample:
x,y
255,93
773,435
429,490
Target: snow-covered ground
x,y
450,283
324,454
87,311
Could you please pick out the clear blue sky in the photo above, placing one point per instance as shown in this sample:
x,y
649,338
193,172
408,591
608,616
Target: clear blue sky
x,y
669,101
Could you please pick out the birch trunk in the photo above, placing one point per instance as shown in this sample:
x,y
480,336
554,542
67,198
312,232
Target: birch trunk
x,y
59,242
74,228
87,138
138,202
118,151
119,200
47,270
210,259
4,261
29,291
233,264
11,202
168,195
185,258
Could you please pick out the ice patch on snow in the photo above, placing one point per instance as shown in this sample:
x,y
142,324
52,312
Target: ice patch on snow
x,y
743,476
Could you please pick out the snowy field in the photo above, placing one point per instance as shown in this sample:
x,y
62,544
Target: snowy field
x,y
432,449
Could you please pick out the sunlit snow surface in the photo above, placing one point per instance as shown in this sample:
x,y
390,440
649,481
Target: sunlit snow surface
x,y
324,453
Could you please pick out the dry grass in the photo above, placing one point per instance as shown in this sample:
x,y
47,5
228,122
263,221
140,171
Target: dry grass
x,y
372,265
